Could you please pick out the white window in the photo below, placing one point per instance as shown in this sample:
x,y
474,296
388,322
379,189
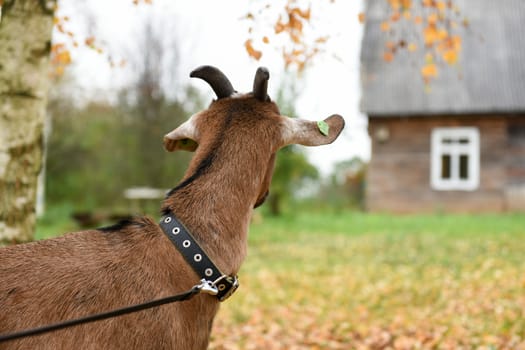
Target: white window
x,y
455,159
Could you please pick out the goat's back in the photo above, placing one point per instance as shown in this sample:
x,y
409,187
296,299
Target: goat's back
x,y
90,272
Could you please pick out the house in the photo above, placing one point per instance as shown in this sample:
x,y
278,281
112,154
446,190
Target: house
x,y
458,143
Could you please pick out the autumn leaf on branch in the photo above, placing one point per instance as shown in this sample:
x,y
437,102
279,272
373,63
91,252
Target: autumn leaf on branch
x,y
361,17
288,29
60,58
248,45
436,26
69,40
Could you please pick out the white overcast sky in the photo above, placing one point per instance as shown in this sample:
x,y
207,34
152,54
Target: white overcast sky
x,y
212,32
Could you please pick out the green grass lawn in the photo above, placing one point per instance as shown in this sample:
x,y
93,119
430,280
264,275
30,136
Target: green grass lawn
x,y
371,281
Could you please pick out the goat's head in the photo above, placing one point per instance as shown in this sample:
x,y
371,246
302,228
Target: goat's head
x,y
245,130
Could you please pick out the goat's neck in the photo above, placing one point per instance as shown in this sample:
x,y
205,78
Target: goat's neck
x,y
216,207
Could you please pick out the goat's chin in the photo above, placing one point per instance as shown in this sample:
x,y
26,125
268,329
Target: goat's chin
x,y
261,200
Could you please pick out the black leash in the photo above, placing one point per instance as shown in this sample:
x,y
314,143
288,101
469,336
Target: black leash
x,y
203,287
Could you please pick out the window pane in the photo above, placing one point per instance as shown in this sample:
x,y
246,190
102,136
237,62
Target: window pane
x,y
455,158
445,166
463,166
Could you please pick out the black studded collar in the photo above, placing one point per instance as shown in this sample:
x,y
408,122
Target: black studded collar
x,y
221,285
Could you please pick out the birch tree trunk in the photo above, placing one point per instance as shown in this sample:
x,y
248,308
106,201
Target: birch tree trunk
x,y
25,42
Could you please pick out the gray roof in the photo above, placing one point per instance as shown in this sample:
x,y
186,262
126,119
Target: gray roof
x,y
489,76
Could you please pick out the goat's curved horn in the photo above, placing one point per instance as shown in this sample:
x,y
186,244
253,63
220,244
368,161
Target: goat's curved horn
x,y
217,80
260,84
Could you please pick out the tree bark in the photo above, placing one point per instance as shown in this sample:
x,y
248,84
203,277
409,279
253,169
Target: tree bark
x,y
25,42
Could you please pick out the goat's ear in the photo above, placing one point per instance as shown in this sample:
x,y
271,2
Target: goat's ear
x,y
311,133
185,137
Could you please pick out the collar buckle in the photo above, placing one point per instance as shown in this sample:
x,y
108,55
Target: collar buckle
x,y
226,286
223,287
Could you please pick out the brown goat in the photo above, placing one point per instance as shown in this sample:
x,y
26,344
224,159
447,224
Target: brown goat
x,y
87,272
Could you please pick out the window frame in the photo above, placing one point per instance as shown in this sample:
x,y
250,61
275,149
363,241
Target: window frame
x,y
455,150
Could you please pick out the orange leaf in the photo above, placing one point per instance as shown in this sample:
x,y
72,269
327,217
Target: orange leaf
x,y
63,58
279,27
385,26
412,47
442,34
304,14
388,56
295,38
450,56
251,51
441,5
432,19
295,23
57,48
361,16
429,71
406,4
265,40
395,4
456,42
90,41
395,16
432,35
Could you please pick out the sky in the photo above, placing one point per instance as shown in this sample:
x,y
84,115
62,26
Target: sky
x,y
213,32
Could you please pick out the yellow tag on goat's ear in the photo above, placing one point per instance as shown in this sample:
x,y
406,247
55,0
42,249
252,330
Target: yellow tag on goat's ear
x,y
324,128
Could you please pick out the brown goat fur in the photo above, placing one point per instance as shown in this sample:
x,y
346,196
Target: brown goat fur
x,y
93,271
